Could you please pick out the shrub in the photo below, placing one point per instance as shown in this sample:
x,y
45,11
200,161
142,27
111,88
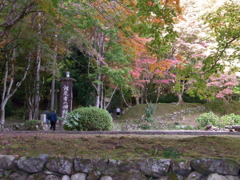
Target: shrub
x,y
88,119
206,119
229,120
149,111
33,125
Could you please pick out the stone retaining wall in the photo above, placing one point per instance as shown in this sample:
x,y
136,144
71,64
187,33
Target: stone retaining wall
x,y
62,168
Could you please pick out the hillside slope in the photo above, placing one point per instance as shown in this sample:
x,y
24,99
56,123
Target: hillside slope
x,y
171,115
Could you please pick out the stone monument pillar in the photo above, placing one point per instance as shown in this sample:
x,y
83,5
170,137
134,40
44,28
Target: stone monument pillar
x,y
66,96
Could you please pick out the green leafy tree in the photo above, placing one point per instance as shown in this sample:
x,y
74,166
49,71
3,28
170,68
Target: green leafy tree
x,y
209,47
21,44
223,23
106,28
14,46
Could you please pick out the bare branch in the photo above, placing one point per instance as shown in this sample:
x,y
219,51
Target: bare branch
x,y
2,4
18,84
11,20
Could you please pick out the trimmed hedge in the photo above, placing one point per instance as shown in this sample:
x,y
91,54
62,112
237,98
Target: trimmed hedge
x,y
88,119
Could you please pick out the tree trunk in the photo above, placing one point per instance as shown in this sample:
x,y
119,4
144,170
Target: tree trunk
x,y
225,100
56,100
3,104
142,97
37,93
98,91
125,99
106,106
30,107
35,100
54,80
53,94
137,99
180,99
102,97
34,87
158,93
8,86
4,94
30,114
98,96
99,39
179,94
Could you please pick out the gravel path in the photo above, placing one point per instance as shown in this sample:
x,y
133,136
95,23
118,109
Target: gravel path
x,y
165,132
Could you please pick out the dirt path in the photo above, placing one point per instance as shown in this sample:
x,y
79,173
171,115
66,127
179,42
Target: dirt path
x,y
165,132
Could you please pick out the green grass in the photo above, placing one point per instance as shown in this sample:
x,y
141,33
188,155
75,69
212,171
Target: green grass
x,y
161,116
135,112
128,146
186,120
121,146
218,107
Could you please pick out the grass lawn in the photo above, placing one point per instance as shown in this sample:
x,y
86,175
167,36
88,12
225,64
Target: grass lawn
x,y
120,146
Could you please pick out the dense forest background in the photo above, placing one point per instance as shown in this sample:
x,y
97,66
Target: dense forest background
x,y
121,53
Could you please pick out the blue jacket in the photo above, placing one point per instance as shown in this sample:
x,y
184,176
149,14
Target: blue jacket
x,y
53,117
